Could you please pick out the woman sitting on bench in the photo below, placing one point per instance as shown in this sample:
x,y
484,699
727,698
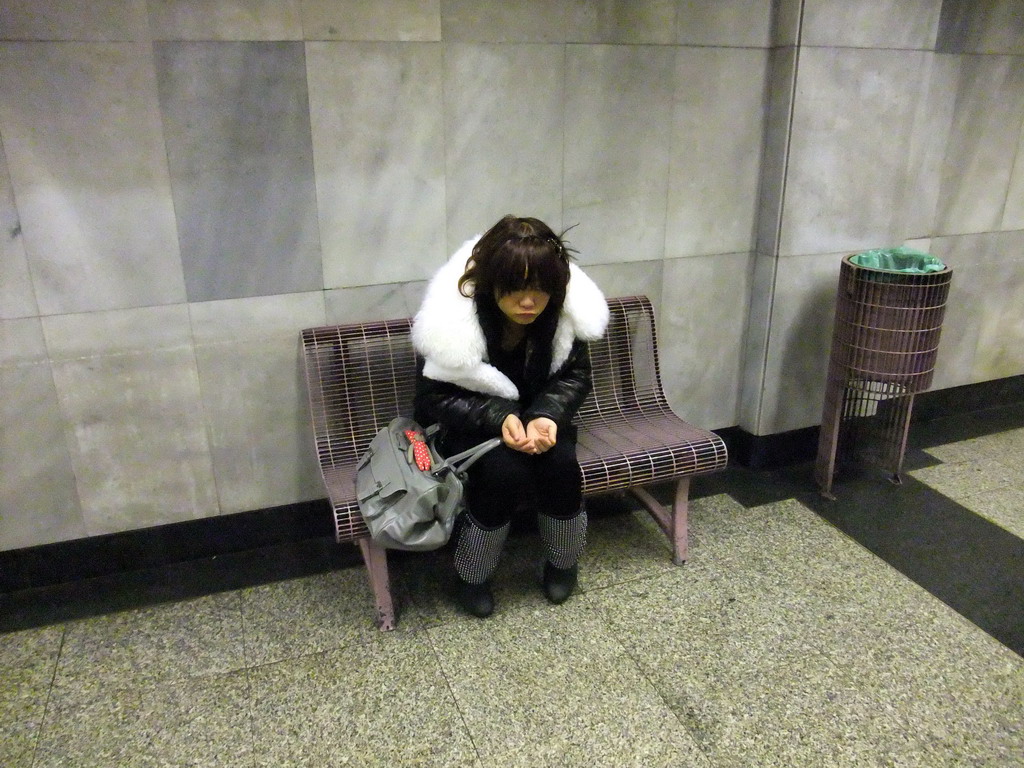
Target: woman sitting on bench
x,y
503,334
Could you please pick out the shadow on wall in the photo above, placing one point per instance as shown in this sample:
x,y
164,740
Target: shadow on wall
x,y
805,356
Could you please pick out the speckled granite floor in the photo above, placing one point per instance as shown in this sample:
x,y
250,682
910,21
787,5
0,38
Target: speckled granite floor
x,y
800,633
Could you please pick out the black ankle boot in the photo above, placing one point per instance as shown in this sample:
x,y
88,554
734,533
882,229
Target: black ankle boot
x,y
475,599
559,582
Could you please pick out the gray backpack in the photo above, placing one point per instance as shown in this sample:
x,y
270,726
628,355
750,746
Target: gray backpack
x,y
406,506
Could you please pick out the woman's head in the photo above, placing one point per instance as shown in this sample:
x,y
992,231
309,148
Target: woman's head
x,y
519,266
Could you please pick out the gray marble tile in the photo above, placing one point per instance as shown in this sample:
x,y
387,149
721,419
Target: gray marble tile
x,y
22,342
34,450
374,302
1008,443
762,638
378,138
1004,507
970,478
39,494
150,646
981,338
786,17
981,26
847,178
968,450
254,398
617,149
929,135
743,23
260,318
961,328
225,19
949,692
83,138
1000,351
621,22
69,20
242,178
621,547
17,296
944,708
701,331
298,617
985,133
496,669
800,341
1013,213
781,84
398,20
637,278
383,703
718,127
200,721
755,345
489,135
27,662
128,387
512,21
903,24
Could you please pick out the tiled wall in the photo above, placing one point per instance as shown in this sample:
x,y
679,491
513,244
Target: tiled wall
x,y
186,184
890,121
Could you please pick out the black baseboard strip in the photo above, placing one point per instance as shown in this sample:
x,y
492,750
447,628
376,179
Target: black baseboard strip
x,y
233,538
194,540
980,408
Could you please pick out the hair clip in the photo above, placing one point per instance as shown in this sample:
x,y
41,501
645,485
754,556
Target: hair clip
x,y
559,248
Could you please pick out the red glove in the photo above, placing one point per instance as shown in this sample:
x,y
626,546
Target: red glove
x,y
420,451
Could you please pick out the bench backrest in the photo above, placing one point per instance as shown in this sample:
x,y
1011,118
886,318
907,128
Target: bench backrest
x,y
362,375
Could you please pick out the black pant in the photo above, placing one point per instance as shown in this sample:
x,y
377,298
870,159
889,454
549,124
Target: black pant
x,y
505,482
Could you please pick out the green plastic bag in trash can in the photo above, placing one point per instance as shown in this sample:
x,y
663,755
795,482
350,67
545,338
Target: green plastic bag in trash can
x,y
901,259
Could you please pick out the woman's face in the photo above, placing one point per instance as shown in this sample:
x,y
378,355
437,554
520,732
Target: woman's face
x,y
522,307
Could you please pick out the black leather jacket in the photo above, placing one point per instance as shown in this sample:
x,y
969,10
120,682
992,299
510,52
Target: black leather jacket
x,y
461,410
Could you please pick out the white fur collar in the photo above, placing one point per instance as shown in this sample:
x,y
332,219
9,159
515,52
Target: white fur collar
x,y
448,335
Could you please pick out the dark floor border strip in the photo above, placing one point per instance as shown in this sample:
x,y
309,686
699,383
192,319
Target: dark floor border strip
x,y
143,587
965,560
99,556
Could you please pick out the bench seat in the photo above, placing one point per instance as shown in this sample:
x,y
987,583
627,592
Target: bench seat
x,y
362,375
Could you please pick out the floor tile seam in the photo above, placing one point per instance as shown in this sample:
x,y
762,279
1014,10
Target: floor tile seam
x,y
629,580
369,639
69,697
37,739
968,497
983,465
641,669
454,697
249,698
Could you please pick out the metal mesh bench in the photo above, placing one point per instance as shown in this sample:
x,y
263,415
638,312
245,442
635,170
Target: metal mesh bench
x,y
362,375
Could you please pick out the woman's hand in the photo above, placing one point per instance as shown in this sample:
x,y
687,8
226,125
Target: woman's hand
x,y
514,434
542,432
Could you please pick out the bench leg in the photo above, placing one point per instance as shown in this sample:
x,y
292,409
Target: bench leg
x,y
673,522
376,560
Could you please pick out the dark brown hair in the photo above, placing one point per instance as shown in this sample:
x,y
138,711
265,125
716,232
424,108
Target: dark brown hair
x,y
518,254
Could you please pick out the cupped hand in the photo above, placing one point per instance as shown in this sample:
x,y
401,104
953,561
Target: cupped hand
x,y
543,432
513,433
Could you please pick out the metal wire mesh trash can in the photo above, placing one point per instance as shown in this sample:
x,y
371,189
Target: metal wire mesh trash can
x,y
884,345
